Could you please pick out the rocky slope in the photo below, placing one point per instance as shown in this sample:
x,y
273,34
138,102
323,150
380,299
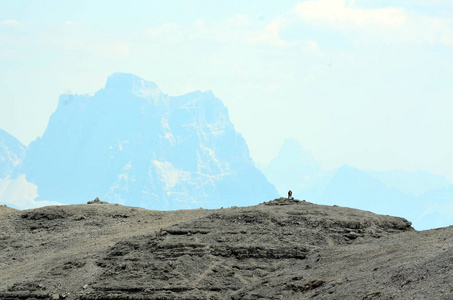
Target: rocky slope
x,y
11,153
280,249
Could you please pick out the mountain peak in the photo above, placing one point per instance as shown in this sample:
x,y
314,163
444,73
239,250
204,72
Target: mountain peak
x,y
125,83
131,143
292,154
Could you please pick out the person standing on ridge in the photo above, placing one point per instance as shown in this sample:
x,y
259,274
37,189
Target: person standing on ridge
x,y
290,195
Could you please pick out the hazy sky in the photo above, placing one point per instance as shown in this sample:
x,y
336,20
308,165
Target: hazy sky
x,y
363,82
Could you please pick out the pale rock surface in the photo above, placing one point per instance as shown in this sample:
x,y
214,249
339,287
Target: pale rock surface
x,y
11,153
130,143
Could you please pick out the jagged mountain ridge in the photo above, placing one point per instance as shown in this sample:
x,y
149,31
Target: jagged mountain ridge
x,y
17,190
130,143
12,152
281,249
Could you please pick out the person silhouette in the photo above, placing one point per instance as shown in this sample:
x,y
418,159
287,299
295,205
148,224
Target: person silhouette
x,y
290,195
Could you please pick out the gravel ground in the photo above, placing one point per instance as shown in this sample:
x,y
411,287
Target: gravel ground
x,y
281,249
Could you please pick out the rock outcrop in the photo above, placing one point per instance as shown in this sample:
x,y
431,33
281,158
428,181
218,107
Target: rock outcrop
x,y
97,201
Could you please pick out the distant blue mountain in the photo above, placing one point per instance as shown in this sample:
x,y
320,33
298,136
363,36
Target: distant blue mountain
x,y
411,182
130,143
421,197
293,168
352,187
12,152
437,208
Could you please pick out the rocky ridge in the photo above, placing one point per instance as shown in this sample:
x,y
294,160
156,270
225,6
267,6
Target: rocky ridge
x,y
281,249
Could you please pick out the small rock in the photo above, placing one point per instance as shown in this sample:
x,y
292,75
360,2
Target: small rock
x,y
97,201
54,296
352,235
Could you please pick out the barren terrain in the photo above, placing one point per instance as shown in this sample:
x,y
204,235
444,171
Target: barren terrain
x,y
281,249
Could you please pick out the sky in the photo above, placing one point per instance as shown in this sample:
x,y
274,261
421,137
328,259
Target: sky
x,y
368,83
